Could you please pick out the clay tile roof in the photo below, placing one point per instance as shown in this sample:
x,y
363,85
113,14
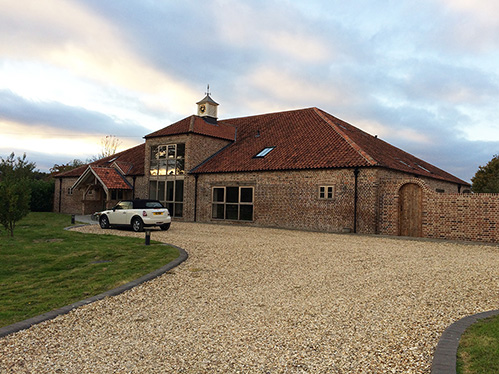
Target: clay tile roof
x,y
111,178
197,125
124,167
310,139
130,161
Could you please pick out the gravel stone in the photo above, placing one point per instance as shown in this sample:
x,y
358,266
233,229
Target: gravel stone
x,y
260,300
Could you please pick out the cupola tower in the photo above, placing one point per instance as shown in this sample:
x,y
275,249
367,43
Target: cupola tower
x,y
207,108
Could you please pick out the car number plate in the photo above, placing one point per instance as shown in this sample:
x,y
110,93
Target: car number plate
x,y
158,213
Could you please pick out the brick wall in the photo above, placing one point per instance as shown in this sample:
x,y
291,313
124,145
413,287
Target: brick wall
x,y
453,216
290,199
390,182
69,204
473,217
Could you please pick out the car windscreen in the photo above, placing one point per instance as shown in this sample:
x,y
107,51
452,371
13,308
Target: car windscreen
x,y
147,204
153,204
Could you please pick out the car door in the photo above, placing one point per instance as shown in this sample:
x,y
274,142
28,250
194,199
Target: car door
x,y
119,214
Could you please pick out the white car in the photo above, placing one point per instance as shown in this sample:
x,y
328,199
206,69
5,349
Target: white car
x,y
137,213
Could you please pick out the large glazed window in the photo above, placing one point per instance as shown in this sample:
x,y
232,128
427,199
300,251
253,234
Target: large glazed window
x,y
167,160
167,169
232,203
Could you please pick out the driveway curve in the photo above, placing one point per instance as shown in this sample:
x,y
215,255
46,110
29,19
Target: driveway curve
x,y
258,300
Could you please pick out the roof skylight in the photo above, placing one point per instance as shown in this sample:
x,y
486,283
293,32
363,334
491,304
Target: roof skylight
x,y
264,152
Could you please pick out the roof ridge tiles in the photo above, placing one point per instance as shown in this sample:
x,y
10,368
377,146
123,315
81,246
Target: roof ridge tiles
x,y
354,145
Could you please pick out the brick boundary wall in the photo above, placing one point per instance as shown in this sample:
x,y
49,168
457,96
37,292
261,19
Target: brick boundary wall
x,y
452,216
471,217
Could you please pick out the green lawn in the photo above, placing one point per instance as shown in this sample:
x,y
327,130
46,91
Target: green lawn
x,y
44,267
478,350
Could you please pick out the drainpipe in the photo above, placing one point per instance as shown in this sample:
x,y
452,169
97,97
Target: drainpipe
x,y
60,194
355,198
133,187
195,196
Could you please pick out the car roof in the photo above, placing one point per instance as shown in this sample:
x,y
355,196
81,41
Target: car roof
x,y
142,203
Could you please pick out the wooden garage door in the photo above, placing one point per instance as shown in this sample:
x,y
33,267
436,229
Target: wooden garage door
x,y
410,207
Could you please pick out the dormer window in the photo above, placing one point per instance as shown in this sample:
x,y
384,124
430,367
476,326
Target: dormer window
x,y
264,152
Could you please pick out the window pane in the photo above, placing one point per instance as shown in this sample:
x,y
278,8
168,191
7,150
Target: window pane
x,y
330,192
162,167
180,166
154,167
169,190
180,150
179,190
171,151
152,190
161,191
217,211
179,209
246,212
171,167
231,211
154,153
232,194
218,194
169,206
246,195
162,151
264,152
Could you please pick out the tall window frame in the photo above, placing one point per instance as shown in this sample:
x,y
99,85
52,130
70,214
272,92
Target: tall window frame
x,y
233,203
166,176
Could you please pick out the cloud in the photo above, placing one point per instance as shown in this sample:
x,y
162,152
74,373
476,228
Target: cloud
x,y
86,45
469,26
421,74
62,118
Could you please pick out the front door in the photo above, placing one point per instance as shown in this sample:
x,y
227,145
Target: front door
x,y
410,210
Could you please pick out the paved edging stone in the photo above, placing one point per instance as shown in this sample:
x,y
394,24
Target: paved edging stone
x,y
444,359
22,325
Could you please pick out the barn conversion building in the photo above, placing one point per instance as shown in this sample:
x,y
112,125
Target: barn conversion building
x,y
300,169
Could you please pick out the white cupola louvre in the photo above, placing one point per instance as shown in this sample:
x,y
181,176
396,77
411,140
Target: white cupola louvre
x,y
207,107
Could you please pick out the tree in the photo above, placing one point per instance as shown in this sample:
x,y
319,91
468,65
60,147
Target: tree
x,y
42,195
486,179
56,169
109,145
15,191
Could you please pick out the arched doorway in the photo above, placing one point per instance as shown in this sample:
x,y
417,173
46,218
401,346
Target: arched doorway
x,y
410,210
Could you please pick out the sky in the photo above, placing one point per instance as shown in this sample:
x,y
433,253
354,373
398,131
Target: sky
x,y
422,75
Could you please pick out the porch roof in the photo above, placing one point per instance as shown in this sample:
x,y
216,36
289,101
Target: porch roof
x,y
110,178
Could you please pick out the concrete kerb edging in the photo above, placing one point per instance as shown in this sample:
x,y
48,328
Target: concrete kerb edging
x,y
444,359
22,325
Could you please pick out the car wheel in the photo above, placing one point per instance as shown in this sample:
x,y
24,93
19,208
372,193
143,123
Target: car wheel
x,y
104,222
137,224
165,227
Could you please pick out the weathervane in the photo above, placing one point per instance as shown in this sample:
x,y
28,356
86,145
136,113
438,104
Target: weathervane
x,y
208,89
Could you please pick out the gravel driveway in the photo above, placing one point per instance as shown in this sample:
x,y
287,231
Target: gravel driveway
x,y
255,300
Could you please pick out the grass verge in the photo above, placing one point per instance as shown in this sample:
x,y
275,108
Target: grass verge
x,y
478,350
44,267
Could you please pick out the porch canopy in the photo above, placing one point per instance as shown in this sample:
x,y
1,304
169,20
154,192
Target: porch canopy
x,y
106,178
